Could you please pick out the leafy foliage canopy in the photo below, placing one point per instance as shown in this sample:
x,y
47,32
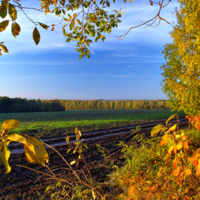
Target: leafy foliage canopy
x,y
181,73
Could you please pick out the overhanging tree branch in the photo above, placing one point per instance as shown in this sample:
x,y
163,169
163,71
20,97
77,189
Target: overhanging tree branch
x,y
152,21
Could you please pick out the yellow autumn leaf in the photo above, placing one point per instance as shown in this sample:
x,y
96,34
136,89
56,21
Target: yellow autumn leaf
x,y
15,29
16,138
29,153
171,129
188,172
179,146
121,12
35,151
12,12
73,162
76,130
93,194
4,48
67,138
5,154
1,145
39,148
77,137
68,150
55,3
156,129
4,25
170,150
165,139
10,124
79,133
170,118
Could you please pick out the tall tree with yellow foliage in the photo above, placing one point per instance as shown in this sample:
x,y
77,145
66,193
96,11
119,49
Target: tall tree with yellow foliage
x,y
181,72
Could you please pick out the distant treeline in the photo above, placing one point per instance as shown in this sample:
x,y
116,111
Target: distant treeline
x,y
23,105
118,104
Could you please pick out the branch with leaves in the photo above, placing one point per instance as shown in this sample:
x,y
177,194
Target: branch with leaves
x,y
94,22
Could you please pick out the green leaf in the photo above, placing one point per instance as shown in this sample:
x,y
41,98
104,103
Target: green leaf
x,y
81,56
12,12
4,48
15,29
96,39
36,36
68,39
58,12
87,55
108,3
4,25
5,154
43,26
3,9
138,128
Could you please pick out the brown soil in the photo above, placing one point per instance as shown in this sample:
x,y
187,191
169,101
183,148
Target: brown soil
x,y
23,183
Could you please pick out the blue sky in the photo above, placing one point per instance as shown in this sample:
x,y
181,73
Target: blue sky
x,y
117,69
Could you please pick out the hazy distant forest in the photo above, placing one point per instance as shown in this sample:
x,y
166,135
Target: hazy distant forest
x,y
23,105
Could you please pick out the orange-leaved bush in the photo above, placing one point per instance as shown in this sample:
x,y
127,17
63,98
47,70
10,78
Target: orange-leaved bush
x,y
168,167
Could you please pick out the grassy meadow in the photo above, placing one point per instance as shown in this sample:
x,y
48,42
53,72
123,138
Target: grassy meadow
x,y
57,123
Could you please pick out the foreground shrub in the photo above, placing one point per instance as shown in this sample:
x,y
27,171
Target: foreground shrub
x,y
164,167
35,152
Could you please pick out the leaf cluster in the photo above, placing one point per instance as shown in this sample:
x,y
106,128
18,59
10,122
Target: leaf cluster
x,y
34,149
89,19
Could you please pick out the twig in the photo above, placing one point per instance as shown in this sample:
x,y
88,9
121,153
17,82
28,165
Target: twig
x,y
44,173
157,16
